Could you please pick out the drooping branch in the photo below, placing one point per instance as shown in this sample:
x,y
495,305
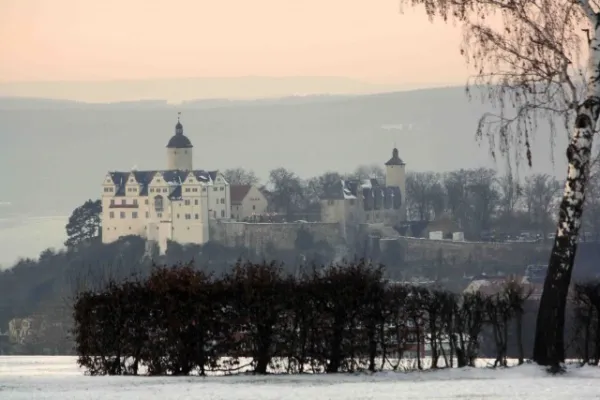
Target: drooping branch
x,y
526,55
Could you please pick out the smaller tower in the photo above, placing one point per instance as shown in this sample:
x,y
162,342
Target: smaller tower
x,y
179,150
395,175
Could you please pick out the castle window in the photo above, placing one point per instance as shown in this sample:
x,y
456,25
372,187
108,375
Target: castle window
x,y
194,189
196,202
134,215
223,201
146,202
112,202
159,215
151,190
187,202
215,189
197,216
122,214
330,202
158,203
204,189
164,190
124,202
147,214
135,202
177,215
188,216
254,207
111,214
187,190
222,188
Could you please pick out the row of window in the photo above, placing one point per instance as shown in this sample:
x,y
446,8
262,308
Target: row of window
x,y
124,202
134,215
159,204
194,189
165,190
109,189
123,215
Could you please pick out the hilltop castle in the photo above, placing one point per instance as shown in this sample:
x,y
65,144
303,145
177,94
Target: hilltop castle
x,y
368,201
175,203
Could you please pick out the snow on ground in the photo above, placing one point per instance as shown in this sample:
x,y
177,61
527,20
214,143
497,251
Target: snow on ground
x,y
59,378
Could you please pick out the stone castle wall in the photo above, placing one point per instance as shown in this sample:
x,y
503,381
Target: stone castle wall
x,y
414,250
281,235
451,252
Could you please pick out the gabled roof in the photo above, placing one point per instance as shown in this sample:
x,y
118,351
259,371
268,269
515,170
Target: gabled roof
x,y
174,178
238,193
341,190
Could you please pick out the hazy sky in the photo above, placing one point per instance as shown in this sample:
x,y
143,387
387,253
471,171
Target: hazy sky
x,y
51,40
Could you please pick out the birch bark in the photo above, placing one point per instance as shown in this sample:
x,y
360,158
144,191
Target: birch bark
x,y
549,340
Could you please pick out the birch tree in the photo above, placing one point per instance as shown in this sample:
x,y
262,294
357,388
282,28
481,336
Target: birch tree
x,y
527,54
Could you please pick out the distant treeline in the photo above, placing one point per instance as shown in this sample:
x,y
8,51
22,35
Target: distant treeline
x,y
337,318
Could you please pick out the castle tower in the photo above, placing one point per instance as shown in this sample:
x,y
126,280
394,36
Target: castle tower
x,y
395,175
179,150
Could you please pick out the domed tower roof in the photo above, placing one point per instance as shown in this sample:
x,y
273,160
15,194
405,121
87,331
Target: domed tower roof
x,y
179,140
395,160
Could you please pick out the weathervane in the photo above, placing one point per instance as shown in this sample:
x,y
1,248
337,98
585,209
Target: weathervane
x,y
178,116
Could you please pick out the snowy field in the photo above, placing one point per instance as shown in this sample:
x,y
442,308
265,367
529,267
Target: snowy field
x,y
59,378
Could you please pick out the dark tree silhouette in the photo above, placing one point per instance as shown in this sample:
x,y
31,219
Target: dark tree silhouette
x,y
84,223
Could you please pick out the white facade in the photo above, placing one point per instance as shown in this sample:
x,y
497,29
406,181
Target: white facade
x,y
162,205
247,201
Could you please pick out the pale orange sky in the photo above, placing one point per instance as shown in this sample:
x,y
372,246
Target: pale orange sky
x,y
49,40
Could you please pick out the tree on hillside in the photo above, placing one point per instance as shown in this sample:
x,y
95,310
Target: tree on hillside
x,y
539,192
240,176
375,171
527,57
483,198
510,194
425,195
84,223
287,194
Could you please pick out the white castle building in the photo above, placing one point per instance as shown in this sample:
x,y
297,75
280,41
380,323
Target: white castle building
x,y
172,204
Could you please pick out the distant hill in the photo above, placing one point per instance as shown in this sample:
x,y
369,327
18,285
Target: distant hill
x,y
55,153
176,90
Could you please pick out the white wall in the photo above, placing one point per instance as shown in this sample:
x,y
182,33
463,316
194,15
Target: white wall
x,y
179,159
254,203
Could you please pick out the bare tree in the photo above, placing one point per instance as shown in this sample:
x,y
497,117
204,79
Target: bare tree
x,y
369,171
527,54
483,198
510,194
240,176
425,195
539,192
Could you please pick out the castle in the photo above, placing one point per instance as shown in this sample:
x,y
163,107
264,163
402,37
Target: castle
x,y
172,204
368,201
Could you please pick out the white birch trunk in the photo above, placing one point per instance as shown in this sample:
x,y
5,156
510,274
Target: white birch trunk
x,y
549,341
